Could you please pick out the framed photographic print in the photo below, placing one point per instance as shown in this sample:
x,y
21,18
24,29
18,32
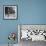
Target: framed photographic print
x,y
10,12
33,32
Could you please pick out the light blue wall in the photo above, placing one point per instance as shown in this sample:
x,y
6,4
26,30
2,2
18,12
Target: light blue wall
x,y
33,12
7,26
29,12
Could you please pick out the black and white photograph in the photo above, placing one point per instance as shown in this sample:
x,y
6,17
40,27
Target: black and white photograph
x,y
33,32
10,12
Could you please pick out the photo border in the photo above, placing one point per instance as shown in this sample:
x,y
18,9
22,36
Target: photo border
x,y
4,13
20,30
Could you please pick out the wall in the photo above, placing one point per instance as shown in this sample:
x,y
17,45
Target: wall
x,y
7,26
29,12
33,12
